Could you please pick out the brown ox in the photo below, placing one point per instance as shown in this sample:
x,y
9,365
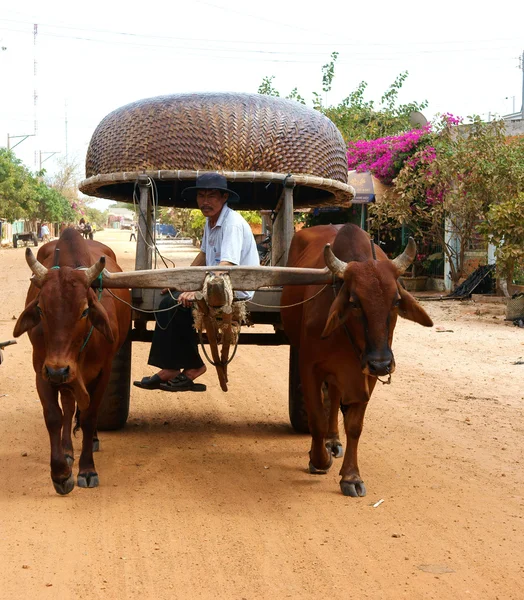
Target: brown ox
x,y
344,335
75,332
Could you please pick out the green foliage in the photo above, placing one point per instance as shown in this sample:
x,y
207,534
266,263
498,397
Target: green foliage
x,y
52,206
328,73
253,217
446,190
96,217
355,117
16,188
197,222
266,87
26,196
504,226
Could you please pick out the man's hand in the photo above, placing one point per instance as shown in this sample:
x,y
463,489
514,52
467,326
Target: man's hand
x,y
186,298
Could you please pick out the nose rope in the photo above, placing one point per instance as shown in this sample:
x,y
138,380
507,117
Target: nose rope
x,y
100,289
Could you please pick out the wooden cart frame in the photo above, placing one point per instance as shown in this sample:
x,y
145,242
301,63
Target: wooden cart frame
x,y
115,408
285,156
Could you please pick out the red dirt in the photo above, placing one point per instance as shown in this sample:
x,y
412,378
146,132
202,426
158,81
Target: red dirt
x,y
207,495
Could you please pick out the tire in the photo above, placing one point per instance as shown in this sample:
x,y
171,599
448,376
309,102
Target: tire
x,y
15,241
297,408
35,240
114,408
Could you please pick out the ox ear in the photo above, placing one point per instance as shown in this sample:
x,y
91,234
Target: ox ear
x,y
28,319
338,313
411,310
99,317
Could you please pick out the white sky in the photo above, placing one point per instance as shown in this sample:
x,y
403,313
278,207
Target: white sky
x,y
462,56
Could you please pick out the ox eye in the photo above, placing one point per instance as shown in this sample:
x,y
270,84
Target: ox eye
x,y
353,304
39,310
84,314
396,303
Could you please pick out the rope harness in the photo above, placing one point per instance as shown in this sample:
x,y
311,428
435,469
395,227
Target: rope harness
x,y
100,290
222,327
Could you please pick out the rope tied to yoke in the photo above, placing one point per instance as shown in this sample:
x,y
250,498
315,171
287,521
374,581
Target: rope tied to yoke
x,y
237,309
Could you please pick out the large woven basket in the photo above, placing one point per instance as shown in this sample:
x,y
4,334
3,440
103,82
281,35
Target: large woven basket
x,y
255,141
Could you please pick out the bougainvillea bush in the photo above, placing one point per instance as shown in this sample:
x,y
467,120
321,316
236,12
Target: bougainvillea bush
x,y
445,185
386,156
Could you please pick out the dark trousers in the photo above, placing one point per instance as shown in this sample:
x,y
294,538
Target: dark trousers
x,y
175,341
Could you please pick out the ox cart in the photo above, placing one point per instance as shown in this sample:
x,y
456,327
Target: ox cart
x,y
25,238
278,155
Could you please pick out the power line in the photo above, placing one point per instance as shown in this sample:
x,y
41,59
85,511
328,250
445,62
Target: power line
x,y
330,44
278,56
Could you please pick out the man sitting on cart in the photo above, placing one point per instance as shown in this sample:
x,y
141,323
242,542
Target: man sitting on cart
x,y
227,240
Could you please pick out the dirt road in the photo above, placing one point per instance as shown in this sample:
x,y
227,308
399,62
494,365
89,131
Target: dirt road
x,y
207,495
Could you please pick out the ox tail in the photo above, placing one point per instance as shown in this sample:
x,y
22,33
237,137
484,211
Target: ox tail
x,y
77,421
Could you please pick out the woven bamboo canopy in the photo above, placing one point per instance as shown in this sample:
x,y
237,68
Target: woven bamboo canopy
x,y
258,142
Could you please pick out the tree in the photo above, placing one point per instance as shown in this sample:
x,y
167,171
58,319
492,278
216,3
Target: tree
x,y
444,190
96,217
65,180
52,206
16,188
355,117
26,196
504,227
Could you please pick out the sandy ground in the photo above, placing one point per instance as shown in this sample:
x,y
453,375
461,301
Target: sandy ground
x,y
207,495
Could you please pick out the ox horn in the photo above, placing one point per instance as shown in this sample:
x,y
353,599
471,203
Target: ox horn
x,y
37,267
94,271
403,261
335,265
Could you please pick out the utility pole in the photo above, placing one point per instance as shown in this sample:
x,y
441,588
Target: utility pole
x,y
12,137
522,69
35,94
47,158
65,110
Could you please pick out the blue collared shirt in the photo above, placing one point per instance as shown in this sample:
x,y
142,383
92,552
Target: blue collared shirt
x,y
231,240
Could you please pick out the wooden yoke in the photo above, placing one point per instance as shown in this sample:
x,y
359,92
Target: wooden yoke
x,y
215,306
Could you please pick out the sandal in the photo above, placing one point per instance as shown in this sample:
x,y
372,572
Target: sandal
x,y
182,383
149,383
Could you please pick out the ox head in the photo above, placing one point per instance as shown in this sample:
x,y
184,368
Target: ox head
x,y
368,304
65,308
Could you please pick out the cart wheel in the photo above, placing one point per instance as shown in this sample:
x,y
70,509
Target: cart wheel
x,y
15,240
35,240
114,408
297,409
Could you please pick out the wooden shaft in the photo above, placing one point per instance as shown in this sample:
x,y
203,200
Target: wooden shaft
x,y
283,229
143,258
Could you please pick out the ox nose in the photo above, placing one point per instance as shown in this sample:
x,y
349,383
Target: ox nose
x,y
380,367
57,375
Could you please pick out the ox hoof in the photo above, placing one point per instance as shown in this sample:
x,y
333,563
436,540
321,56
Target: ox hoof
x,y
88,480
335,448
355,489
316,471
64,487
69,460
96,445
